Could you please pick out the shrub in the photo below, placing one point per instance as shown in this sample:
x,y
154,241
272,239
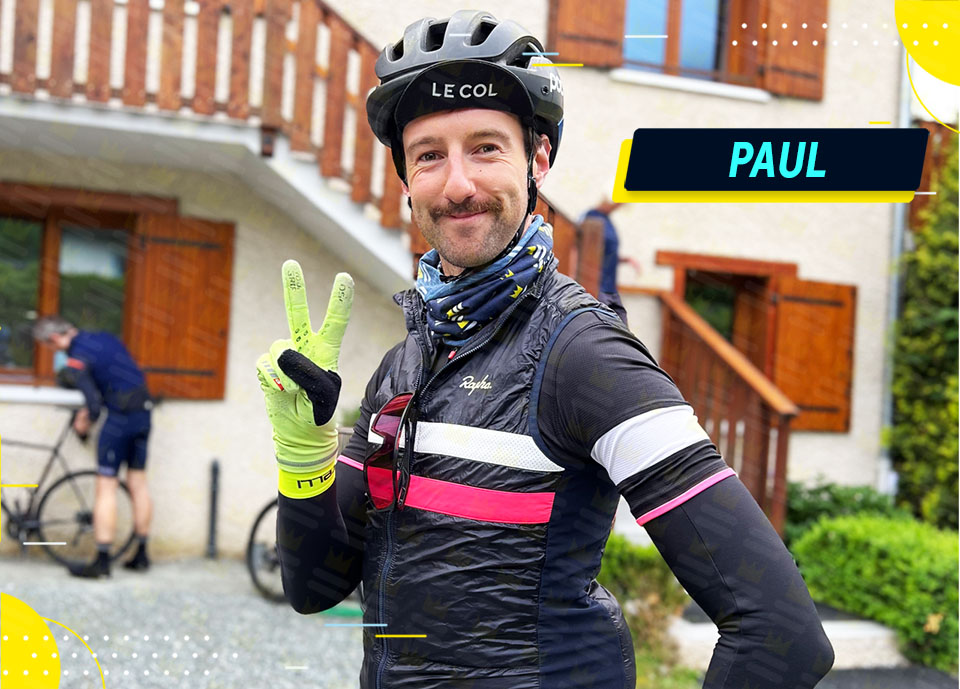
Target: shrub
x,y
806,505
900,572
923,440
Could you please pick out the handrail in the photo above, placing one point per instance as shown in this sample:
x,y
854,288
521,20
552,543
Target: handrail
x,y
731,356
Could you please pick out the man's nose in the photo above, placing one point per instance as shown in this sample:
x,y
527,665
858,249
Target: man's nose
x,y
459,185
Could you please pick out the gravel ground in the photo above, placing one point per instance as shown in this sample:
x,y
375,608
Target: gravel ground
x,y
194,624
198,624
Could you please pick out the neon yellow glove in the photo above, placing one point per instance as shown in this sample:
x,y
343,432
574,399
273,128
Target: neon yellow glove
x,y
300,386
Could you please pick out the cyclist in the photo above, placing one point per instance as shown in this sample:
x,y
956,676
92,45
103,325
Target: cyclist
x,y
477,493
100,366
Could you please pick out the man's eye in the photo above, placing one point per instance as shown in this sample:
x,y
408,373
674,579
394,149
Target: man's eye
x,y
489,148
425,157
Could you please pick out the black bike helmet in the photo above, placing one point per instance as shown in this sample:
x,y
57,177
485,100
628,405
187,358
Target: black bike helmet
x,y
469,60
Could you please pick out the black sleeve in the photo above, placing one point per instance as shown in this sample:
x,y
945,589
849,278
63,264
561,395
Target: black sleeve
x,y
726,554
320,539
597,375
76,375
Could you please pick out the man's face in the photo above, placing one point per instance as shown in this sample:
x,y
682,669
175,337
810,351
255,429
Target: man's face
x,y
467,179
59,341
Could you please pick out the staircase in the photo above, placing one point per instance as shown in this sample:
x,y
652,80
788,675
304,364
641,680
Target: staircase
x,y
272,91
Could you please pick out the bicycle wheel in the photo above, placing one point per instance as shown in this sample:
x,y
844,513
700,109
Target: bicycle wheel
x,y
262,559
65,515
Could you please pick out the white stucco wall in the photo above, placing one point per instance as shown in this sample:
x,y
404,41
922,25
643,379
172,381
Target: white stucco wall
x,y
187,435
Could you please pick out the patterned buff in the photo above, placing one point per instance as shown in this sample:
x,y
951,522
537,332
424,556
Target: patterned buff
x,y
456,310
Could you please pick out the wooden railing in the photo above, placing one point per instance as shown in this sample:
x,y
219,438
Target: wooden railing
x,y
292,67
745,415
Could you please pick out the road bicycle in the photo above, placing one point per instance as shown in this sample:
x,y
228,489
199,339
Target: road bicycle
x,y
60,517
263,562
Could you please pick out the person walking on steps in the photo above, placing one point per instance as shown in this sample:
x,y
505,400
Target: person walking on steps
x,y
477,492
100,366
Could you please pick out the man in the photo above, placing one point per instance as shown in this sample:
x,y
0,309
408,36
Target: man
x,y
477,493
609,294
102,369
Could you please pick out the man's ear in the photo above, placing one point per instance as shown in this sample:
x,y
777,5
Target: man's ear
x,y
403,186
541,160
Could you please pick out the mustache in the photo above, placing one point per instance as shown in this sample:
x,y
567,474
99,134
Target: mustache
x,y
466,208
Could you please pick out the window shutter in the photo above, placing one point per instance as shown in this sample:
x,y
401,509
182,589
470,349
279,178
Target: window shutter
x,y
178,304
813,350
742,61
795,70
589,33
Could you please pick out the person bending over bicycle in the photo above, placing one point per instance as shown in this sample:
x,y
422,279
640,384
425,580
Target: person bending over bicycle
x,y
100,366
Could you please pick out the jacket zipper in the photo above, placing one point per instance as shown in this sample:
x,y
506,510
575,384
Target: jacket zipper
x,y
473,348
389,527
388,559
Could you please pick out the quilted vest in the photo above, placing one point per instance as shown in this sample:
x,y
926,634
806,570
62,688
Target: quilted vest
x,y
491,563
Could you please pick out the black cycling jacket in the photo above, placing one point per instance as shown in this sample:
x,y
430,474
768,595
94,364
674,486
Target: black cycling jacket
x,y
495,554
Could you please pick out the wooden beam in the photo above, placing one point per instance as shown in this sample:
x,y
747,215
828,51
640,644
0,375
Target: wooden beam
x,y
35,198
724,264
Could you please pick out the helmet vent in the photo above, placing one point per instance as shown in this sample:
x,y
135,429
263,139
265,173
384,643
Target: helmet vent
x,y
481,32
434,37
396,52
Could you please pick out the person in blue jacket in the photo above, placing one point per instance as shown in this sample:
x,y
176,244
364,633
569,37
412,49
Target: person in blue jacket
x,y
609,294
99,365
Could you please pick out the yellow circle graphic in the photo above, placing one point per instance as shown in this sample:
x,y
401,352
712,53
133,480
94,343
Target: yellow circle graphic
x,y
930,31
29,659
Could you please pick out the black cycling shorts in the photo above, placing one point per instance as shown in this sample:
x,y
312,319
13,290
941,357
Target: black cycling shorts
x,y
123,439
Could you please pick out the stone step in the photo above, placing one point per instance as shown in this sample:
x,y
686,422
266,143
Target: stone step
x,y
856,643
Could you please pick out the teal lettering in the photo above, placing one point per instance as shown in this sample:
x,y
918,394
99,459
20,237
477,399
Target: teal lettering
x,y
812,163
785,157
738,159
764,160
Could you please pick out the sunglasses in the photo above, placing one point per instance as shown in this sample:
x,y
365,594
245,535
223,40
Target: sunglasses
x,y
386,471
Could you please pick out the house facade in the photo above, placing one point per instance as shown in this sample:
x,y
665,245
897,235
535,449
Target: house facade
x,y
159,161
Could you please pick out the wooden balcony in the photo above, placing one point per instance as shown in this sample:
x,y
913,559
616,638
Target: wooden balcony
x,y
746,416
293,68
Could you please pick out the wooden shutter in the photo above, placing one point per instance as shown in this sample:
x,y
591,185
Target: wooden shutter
x,y
178,304
813,350
590,33
741,62
795,70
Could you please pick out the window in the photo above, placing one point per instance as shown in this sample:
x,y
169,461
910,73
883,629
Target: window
x,y
713,296
129,265
701,33
92,269
19,277
799,333
776,45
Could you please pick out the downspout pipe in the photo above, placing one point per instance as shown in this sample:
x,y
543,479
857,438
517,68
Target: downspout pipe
x,y
887,478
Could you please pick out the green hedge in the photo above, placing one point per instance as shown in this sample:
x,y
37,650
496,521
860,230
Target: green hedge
x,y
805,505
650,595
900,572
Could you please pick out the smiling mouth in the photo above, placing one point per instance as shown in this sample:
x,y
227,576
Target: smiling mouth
x,y
467,216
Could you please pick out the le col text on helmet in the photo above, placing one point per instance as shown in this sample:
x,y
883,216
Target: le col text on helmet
x,y
465,90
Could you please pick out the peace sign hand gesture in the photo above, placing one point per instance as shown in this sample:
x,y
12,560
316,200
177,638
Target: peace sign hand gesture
x,y
301,386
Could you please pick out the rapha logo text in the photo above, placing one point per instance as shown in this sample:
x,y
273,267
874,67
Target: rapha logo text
x,y
472,386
